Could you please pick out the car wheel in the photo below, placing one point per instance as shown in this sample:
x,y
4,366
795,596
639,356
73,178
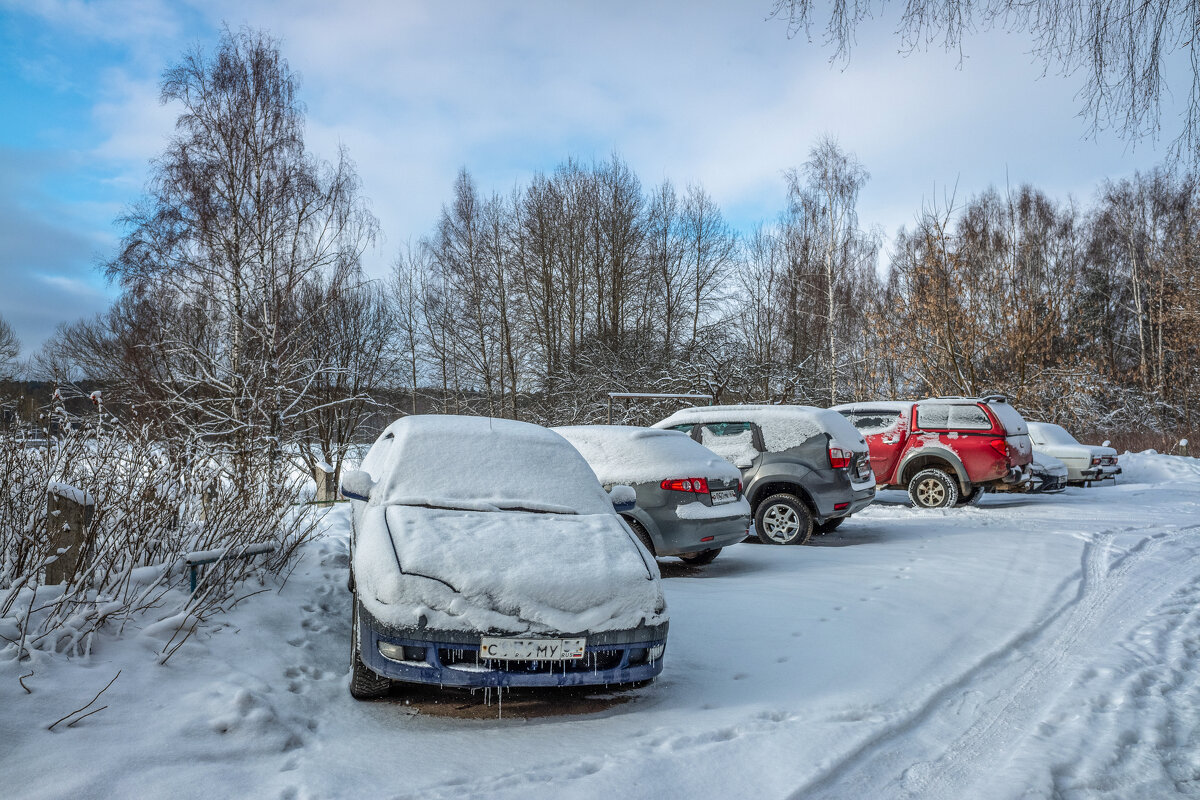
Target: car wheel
x,y
701,558
972,498
783,519
639,530
365,683
829,525
933,488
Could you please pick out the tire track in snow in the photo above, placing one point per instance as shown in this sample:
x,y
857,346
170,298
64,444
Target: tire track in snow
x,y
1157,752
937,753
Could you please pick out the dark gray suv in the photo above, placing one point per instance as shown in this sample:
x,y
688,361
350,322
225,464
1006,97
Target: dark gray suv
x,y
804,469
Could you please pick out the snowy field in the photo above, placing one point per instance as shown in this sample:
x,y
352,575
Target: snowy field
x,y
1035,646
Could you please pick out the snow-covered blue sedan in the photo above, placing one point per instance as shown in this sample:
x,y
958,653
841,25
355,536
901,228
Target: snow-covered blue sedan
x,y
485,553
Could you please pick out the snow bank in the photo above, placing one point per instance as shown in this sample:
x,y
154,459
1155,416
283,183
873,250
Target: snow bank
x,y
481,463
504,571
783,427
698,510
1152,467
623,454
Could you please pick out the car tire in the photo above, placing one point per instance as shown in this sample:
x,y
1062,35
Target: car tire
x,y
701,558
783,519
365,683
971,498
643,535
829,525
933,488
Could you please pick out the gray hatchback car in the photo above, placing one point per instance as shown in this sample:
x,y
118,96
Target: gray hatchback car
x,y
804,469
689,499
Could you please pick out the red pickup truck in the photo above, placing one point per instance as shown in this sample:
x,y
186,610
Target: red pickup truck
x,y
945,451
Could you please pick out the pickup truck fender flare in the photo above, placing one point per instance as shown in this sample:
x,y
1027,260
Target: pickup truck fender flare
x,y
937,452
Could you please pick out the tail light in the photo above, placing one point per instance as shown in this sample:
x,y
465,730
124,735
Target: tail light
x,y
697,485
739,488
839,458
1095,461
1000,446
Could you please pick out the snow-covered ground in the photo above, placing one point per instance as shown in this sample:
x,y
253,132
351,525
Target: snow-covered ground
x,y
1035,646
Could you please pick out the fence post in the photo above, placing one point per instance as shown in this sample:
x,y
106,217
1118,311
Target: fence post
x,y
327,490
68,519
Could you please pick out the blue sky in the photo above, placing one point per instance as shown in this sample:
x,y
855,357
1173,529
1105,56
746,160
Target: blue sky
x,y
698,91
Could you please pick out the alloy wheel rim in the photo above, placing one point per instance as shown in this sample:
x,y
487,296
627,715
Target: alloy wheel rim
x,y
930,492
781,523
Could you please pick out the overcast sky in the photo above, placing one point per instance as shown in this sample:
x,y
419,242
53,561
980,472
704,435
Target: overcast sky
x,y
693,91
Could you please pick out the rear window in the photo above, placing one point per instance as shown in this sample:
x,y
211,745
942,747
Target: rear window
x,y
961,417
732,441
872,422
970,418
931,416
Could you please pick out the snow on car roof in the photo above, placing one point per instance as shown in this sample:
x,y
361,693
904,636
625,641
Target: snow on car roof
x,y
897,406
627,454
482,463
783,427
1009,417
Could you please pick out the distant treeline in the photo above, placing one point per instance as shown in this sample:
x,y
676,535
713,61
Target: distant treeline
x,y
245,317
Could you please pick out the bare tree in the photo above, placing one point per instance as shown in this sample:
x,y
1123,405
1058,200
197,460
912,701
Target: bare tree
x,y
238,221
10,348
825,192
1119,46
409,274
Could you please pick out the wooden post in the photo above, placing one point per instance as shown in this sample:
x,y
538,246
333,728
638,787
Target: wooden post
x,y
327,490
68,517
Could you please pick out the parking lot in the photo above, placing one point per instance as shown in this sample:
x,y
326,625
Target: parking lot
x,y
1038,643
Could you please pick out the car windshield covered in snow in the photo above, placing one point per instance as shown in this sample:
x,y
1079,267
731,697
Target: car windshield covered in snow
x,y
481,464
1049,433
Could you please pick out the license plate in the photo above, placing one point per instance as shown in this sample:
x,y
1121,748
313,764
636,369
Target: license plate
x,y
723,496
531,649
864,469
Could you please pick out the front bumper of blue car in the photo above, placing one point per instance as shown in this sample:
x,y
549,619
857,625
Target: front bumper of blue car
x,y
451,658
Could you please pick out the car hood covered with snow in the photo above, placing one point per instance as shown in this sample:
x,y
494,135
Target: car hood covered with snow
x,y
510,572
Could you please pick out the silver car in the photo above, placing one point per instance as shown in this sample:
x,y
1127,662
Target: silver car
x,y
689,499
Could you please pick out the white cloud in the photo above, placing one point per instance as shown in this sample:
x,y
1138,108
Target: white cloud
x,y
695,91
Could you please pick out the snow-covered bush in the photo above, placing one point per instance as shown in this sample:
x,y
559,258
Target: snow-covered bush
x,y
155,503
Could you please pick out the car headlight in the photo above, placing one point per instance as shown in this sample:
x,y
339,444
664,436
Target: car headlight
x,y
401,652
657,651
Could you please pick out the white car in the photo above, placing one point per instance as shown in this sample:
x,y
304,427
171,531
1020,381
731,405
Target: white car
x,y
1086,463
484,552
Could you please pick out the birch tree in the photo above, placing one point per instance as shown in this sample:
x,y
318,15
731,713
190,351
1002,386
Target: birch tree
x,y
238,219
830,182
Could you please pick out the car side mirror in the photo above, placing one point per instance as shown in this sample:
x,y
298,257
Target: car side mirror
x,y
357,485
624,498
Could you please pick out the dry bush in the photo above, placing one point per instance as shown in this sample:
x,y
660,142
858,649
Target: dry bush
x,y
153,506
